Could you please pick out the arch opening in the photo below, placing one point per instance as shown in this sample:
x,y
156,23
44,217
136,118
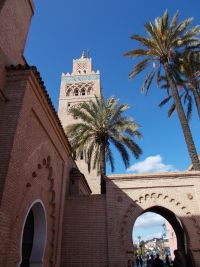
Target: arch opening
x,y
149,241
33,237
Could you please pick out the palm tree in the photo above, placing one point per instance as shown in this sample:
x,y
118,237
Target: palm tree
x,y
139,238
158,51
102,124
187,72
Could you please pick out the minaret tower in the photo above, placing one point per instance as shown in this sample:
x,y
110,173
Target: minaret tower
x,y
80,86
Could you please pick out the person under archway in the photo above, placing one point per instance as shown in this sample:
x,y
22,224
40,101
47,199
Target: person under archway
x,y
148,261
151,260
137,261
158,262
167,261
141,261
179,260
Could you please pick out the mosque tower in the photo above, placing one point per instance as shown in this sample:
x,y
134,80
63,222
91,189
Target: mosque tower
x,y
80,86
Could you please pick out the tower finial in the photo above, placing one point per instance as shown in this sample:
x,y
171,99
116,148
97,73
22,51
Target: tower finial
x,y
83,55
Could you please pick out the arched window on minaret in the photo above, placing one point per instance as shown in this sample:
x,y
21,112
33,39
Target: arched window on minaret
x,y
89,91
83,91
69,91
81,155
76,93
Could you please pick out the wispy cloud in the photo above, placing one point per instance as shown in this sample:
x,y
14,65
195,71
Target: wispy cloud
x,y
149,225
149,219
151,164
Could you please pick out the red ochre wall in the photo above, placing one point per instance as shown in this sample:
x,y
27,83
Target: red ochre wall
x,y
39,165
84,240
15,18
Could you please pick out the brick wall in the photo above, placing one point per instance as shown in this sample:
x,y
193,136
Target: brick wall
x,y
84,242
35,163
9,115
15,18
172,195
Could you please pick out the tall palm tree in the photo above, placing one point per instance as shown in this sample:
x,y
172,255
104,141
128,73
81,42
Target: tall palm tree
x,y
158,51
187,73
102,124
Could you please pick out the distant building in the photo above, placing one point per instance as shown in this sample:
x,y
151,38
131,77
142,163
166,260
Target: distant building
x,y
172,240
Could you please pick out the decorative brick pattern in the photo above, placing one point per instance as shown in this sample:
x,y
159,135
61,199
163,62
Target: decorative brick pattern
x,y
84,242
39,165
173,195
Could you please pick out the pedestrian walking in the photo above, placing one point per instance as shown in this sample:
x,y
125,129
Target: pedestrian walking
x,y
141,261
148,261
137,261
167,262
179,260
158,262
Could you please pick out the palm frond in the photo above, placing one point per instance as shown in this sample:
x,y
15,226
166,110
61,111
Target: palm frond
x,y
136,53
133,147
147,82
165,101
174,20
182,26
122,150
139,67
171,110
110,158
164,22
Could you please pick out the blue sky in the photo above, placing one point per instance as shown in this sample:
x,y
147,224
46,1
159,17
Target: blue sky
x,y
61,30
147,226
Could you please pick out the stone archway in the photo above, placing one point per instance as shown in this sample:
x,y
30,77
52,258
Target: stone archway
x,y
33,237
172,195
179,229
170,209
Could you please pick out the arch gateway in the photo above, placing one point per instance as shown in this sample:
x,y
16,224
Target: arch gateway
x,y
34,237
175,196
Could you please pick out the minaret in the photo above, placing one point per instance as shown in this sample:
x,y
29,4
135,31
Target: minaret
x,y
80,86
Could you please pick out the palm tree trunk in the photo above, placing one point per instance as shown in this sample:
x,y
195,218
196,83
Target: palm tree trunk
x,y
185,127
103,168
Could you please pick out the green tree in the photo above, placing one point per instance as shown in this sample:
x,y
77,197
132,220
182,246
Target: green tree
x,y
101,123
158,51
187,73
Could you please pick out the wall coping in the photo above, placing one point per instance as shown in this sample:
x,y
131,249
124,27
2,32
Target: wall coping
x,y
166,175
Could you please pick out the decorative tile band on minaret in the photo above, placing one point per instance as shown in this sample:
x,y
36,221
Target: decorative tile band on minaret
x,y
82,85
